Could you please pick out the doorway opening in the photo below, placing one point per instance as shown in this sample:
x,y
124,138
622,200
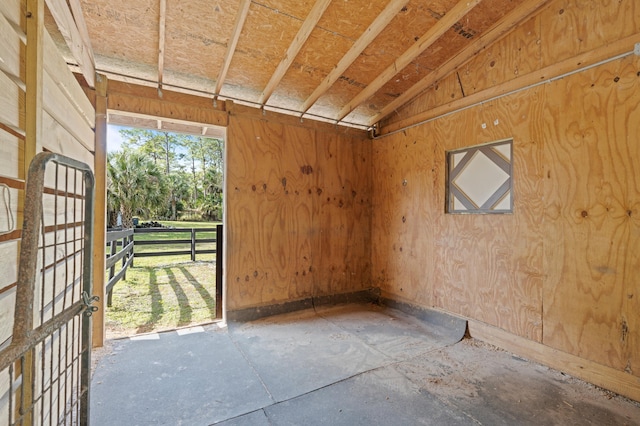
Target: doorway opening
x,y
165,192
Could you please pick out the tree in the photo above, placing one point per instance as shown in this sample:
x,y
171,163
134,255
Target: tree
x,y
179,191
135,184
211,204
157,144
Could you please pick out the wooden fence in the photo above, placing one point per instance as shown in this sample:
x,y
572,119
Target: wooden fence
x,y
126,241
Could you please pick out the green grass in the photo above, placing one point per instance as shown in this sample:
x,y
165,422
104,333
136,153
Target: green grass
x,y
164,293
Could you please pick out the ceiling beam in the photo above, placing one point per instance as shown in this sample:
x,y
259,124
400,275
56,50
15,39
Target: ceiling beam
x,y
456,13
300,39
161,40
365,39
493,34
76,10
243,11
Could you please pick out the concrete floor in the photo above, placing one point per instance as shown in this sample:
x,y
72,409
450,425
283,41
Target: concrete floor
x,y
344,365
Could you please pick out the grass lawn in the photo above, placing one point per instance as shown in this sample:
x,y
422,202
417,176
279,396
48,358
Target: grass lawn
x,y
167,292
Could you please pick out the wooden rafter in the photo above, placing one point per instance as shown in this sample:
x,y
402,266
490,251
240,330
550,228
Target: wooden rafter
x,y
365,39
303,34
502,27
241,17
161,40
431,36
79,46
76,10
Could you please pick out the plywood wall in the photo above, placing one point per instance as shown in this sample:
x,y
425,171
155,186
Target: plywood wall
x,y
562,269
297,207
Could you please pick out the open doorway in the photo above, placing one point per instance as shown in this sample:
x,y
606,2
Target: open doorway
x,y
166,185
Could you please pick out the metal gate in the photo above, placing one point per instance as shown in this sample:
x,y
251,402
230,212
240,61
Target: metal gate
x,y
45,369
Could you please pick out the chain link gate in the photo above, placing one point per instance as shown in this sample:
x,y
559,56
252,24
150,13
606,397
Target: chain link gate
x,y
45,369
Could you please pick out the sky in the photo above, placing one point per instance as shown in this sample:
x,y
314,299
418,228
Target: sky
x,y
114,139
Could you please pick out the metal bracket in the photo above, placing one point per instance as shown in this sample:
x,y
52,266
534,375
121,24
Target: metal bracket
x,y
87,302
636,49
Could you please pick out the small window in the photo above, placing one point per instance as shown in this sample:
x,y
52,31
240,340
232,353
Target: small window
x,y
479,179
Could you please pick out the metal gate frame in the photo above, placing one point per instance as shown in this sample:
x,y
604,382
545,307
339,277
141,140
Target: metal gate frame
x,y
35,393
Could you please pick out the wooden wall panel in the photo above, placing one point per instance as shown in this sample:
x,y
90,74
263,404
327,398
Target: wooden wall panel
x,y
11,11
562,269
569,27
270,244
10,107
593,215
11,156
7,306
403,214
476,265
58,106
516,55
290,194
58,139
66,83
11,160
342,200
9,49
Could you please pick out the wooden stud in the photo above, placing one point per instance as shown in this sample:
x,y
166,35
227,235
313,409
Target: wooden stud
x,y
34,77
136,100
100,220
431,36
231,45
582,60
161,40
365,39
497,31
300,39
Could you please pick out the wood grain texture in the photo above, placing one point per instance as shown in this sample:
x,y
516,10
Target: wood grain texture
x,y
7,307
11,10
592,191
503,61
342,200
56,67
269,223
478,266
58,106
569,27
11,110
11,153
278,222
9,49
562,270
403,212
61,141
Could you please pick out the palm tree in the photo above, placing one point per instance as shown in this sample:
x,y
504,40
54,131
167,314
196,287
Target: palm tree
x,y
135,184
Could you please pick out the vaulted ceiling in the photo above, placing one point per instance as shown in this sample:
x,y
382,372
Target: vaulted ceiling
x,y
347,61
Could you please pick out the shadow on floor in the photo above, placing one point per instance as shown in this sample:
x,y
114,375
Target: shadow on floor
x,y
342,365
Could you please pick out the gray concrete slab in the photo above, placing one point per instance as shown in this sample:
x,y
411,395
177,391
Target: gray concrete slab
x,y
311,352
395,334
172,379
379,397
345,365
495,387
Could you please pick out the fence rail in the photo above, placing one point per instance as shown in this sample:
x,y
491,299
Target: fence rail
x,y
126,240
193,241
